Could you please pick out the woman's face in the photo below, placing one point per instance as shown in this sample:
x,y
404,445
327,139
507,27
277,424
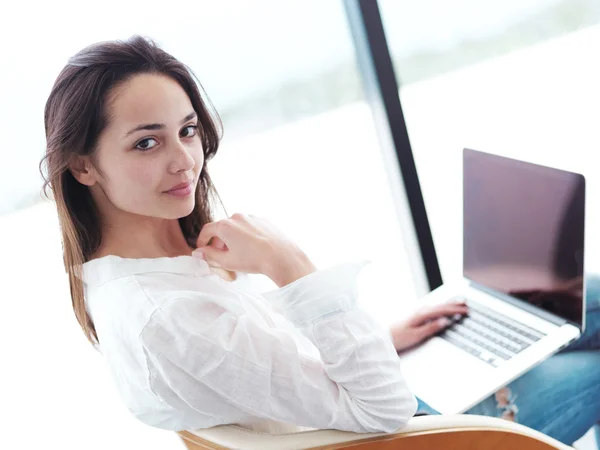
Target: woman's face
x,y
151,144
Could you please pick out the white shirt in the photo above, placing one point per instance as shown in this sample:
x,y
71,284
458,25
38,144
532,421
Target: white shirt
x,y
188,349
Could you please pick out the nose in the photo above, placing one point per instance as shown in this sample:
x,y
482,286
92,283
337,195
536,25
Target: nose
x,y
182,161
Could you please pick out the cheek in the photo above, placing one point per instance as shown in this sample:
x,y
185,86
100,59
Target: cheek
x,y
135,182
199,157
145,178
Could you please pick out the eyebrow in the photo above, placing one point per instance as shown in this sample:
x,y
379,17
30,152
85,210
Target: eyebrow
x,y
159,126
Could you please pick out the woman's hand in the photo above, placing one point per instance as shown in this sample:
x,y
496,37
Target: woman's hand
x,y
424,324
250,244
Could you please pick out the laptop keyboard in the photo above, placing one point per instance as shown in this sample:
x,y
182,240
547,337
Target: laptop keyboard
x,y
488,335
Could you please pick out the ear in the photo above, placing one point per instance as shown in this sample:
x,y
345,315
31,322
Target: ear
x,y
83,171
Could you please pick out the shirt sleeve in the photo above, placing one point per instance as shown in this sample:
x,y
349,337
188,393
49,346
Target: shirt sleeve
x,y
207,352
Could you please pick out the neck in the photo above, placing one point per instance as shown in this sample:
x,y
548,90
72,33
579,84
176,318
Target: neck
x,y
143,237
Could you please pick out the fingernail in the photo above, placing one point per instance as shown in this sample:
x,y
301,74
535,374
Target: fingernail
x,y
198,254
444,322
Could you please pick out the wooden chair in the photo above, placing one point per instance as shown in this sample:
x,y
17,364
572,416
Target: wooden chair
x,y
460,432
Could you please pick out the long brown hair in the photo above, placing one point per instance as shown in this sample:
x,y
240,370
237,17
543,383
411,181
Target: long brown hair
x,y
76,114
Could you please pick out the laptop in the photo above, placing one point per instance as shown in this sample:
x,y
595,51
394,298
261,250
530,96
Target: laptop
x,y
523,280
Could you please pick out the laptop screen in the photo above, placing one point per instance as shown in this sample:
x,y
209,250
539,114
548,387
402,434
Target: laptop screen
x,y
523,231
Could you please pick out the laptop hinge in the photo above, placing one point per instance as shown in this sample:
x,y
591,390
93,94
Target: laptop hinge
x,y
541,313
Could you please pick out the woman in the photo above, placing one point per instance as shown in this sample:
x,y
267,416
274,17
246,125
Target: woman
x,y
159,287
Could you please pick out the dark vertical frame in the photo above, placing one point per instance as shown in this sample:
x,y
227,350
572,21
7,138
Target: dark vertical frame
x,y
381,90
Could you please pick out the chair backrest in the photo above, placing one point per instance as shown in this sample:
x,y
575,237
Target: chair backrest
x,y
465,432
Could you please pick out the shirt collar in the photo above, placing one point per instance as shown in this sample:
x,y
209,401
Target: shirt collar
x,y
101,270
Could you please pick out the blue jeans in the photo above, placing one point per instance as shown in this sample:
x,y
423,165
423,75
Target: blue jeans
x,y
561,396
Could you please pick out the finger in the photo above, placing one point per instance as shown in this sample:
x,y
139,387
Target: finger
x,y
447,309
206,234
440,311
240,216
213,256
433,327
217,243
217,231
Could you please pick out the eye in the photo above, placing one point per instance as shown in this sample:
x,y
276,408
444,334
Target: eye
x,y
190,131
146,144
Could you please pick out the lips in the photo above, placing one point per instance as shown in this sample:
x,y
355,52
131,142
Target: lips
x,y
180,186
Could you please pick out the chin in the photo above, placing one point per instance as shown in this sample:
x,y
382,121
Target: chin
x,y
183,210
174,210
189,208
